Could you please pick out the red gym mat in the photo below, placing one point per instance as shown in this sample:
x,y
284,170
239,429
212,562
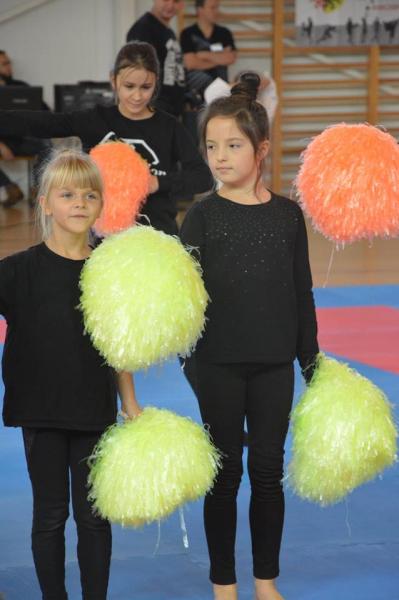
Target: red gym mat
x,y
366,334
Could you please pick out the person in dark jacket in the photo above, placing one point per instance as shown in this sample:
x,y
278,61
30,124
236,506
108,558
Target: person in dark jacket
x,y
57,387
208,49
252,246
178,170
12,146
153,27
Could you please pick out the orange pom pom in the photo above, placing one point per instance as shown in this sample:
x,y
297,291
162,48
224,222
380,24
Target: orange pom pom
x,y
348,183
126,177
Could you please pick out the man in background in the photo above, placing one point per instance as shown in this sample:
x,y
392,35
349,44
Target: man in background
x,y
153,27
10,192
10,147
208,50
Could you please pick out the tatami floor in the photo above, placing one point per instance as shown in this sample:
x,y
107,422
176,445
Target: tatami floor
x,y
349,551
361,263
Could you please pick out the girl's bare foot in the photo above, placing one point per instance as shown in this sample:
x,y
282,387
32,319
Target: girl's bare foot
x,y
265,589
225,592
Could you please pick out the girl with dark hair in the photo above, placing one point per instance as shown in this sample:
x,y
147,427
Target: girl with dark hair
x,y
253,250
177,168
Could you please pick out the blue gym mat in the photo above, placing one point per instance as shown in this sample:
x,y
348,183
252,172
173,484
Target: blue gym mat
x,y
346,552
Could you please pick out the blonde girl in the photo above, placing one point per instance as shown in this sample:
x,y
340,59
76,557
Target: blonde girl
x,y
57,387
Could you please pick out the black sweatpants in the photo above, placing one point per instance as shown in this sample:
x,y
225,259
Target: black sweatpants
x,y
57,460
262,394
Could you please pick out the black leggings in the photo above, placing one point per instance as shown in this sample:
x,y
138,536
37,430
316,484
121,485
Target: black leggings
x,y
228,394
51,455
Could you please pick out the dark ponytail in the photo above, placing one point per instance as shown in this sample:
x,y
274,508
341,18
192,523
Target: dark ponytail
x,y
247,86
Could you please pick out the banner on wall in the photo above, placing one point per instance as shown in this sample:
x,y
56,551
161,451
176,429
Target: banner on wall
x,y
346,22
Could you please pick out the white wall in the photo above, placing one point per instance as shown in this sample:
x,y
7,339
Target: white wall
x,y
64,41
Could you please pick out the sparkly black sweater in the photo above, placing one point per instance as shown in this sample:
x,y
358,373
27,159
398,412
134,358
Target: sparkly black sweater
x,y
256,270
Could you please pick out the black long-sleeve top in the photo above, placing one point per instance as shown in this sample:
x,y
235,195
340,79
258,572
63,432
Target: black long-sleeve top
x,y
53,376
160,139
256,271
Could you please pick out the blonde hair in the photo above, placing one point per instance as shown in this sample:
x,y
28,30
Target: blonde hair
x,y
66,168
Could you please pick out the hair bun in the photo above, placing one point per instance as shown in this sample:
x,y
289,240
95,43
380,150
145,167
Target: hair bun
x,y
247,86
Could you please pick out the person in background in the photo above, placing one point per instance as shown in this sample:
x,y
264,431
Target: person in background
x,y
58,388
153,27
253,250
12,146
177,168
208,50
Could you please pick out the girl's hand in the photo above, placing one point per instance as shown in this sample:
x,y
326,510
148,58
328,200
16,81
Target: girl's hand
x,y
154,184
5,152
225,57
129,413
130,407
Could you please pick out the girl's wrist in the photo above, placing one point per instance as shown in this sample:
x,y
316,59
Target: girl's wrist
x,y
154,184
131,411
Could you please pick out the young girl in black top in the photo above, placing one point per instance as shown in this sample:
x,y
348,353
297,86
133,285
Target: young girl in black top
x,y
178,171
57,387
253,250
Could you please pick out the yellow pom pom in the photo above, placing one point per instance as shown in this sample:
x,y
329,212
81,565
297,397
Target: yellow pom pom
x,y
143,298
144,469
343,434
